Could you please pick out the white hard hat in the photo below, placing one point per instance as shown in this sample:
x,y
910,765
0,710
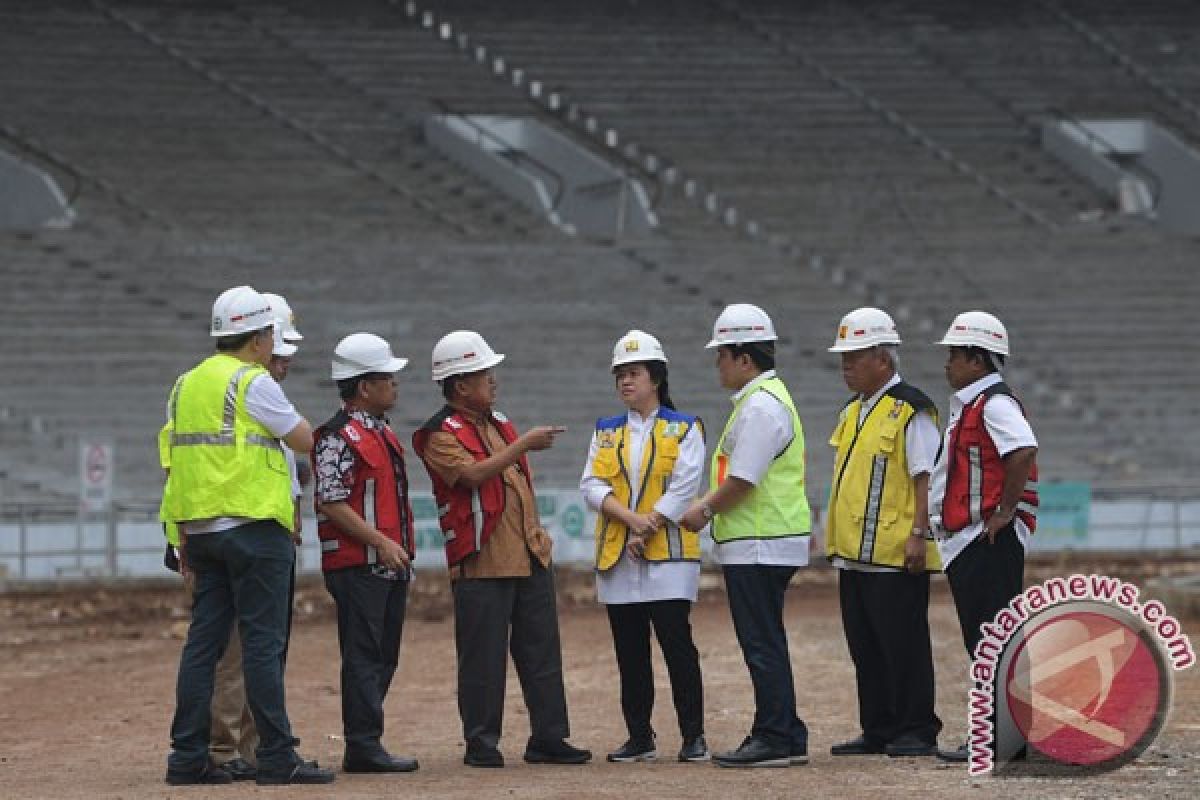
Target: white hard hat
x,y
460,352
637,346
240,310
284,315
741,323
361,353
280,347
862,328
977,329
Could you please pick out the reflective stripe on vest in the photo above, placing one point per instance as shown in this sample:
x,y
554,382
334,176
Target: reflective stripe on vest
x,y
652,479
378,493
778,506
975,471
215,449
872,499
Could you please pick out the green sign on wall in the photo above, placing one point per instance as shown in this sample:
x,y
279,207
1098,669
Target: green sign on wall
x,y
1063,513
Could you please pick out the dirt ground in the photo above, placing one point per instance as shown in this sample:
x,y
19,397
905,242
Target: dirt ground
x,y
86,696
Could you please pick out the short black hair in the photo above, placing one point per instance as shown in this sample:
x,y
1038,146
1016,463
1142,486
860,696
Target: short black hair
x,y
761,353
231,344
448,385
348,387
993,362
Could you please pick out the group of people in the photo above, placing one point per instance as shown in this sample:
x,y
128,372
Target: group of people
x,y
905,501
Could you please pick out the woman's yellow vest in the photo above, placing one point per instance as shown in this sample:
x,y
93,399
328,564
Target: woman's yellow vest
x,y
872,501
778,505
670,542
223,462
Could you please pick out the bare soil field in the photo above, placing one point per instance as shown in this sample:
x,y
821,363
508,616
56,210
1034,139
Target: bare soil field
x,y
86,696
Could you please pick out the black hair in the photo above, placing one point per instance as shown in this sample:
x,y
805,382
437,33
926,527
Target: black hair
x,y
448,385
658,374
235,342
993,362
348,387
761,353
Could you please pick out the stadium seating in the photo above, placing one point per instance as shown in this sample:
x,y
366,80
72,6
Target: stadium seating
x,y
887,149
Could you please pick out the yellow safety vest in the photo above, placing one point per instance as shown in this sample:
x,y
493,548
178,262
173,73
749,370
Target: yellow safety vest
x,y
223,462
777,506
670,542
872,501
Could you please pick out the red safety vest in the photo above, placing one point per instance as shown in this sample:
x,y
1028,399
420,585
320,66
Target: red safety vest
x,y
975,472
379,495
467,516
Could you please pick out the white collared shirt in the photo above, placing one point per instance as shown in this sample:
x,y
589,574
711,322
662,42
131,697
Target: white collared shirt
x,y
637,580
921,442
1006,424
761,431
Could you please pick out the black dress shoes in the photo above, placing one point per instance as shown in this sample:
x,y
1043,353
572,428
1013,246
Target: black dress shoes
x,y
304,772
694,750
858,746
957,756
909,745
483,757
555,753
378,762
210,773
240,769
754,752
634,750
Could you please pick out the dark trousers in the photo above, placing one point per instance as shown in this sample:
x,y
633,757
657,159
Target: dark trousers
x,y
886,619
495,615
984,578
370,619
241,574
756,597
630,623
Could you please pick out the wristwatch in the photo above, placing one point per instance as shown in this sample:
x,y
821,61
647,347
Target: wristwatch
x,y
706,511
922,532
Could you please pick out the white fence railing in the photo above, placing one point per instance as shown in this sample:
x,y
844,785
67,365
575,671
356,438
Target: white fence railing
x,y
45,542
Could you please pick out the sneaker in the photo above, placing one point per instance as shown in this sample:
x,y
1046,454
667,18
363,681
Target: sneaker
x,y
635,750
555,753
210,774
695,749
754,752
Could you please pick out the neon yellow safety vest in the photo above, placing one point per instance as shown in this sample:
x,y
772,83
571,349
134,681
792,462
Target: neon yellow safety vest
x,y
223,462
670,542
872,501
777,507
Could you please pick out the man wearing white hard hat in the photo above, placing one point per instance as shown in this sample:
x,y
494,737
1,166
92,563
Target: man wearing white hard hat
x,y
498,555
983,490
234,737
643,470
877,535
761,524
365,523
230,493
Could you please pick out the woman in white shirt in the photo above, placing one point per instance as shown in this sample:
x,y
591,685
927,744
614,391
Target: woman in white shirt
x,y
643,469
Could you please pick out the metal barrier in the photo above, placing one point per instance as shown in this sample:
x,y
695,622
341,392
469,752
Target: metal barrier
x,y
42,541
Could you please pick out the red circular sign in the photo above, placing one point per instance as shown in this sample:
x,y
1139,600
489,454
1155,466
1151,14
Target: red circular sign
x,y
1087,688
